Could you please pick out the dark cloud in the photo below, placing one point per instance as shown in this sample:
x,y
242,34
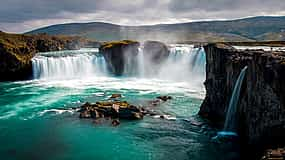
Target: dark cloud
x,y
227,5
22,10
22,15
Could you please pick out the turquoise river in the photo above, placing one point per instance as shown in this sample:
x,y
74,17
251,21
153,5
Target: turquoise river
x,y
39,120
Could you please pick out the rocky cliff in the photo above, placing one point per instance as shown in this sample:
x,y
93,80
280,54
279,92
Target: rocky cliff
x,y
261,110
118,54
16,51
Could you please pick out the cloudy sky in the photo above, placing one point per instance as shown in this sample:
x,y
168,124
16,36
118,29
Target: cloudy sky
x,y
25,15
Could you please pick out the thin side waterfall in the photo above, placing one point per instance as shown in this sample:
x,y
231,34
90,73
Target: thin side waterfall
x,y
229,131
230,123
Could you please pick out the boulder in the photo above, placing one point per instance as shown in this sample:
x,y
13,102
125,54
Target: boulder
x,y
118,53
114,96
164,98
115,122
113,109
131,112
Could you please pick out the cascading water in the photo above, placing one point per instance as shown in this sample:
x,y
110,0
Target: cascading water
x,y
230,122
68,64
184,63
67,79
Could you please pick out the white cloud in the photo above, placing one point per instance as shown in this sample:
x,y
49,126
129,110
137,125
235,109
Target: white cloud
x,y
24,15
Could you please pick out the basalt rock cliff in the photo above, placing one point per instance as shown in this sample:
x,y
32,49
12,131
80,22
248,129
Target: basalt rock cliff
x,y
16,51
261,105
118,54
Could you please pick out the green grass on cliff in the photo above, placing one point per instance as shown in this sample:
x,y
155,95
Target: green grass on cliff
x,y
23,47
111,44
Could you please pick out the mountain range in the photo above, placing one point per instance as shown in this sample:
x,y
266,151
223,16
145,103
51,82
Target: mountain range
x,y
262,28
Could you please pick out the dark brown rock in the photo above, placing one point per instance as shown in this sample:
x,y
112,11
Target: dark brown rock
x,y
131,113
85,114
113,109
116,96
164,98
118,53
115,122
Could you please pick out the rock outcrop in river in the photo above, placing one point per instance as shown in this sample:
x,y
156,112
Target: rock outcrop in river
x,y
261,106
112,109
16,51
118,54
116,109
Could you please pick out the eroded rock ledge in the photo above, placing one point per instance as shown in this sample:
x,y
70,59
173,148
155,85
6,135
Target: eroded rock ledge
x,y
117,53
261,110
16,51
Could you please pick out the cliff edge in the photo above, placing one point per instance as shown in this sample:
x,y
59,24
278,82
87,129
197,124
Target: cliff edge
x,y
261,110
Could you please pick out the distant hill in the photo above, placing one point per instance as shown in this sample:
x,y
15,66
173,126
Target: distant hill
x,y
248,29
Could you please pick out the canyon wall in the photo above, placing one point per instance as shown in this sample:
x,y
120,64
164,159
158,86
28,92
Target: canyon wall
x,y
16,51
261,110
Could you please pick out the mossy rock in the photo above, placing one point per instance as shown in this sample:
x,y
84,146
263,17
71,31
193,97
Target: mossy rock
x,y
109,45
116,53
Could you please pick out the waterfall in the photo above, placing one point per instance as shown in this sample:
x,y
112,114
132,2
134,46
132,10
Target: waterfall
x,y
230,123
68,64
229,132
185,63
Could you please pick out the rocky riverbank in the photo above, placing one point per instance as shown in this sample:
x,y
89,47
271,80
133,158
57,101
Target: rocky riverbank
x,y
16,51
261,110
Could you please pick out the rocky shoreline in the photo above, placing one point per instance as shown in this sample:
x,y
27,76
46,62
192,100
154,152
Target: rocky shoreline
x,y
261,110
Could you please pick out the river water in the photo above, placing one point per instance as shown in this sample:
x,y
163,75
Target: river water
x,y
38,119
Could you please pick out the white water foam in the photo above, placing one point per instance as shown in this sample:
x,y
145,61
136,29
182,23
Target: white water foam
x,y
57,111
74,72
